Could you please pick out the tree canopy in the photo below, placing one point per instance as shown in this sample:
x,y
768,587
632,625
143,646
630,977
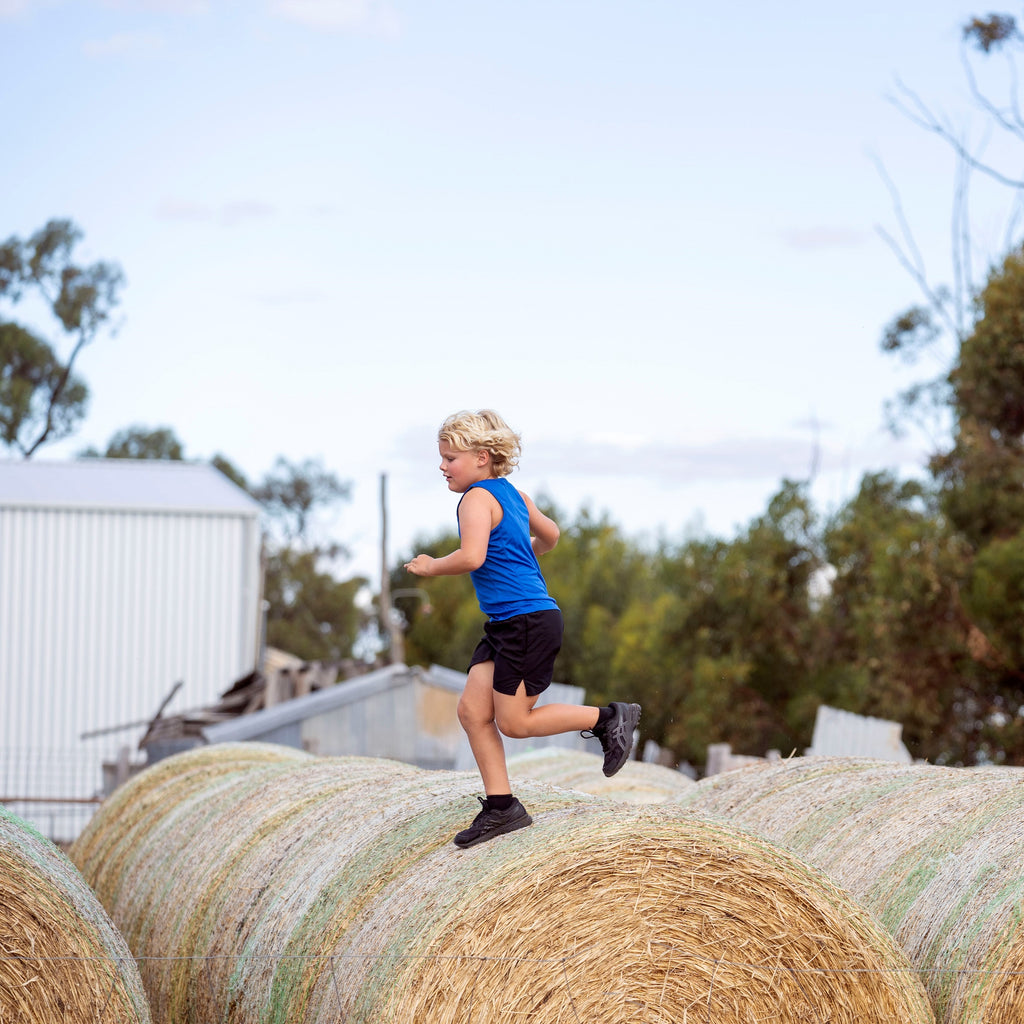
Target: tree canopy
x,y
872,609
41,397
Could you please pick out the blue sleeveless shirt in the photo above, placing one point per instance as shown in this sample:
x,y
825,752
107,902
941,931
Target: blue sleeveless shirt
x,y
510,581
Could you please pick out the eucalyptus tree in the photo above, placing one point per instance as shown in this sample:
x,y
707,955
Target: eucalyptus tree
x,y
42,398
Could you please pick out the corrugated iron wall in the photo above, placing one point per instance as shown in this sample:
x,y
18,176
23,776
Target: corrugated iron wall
x,y
101,612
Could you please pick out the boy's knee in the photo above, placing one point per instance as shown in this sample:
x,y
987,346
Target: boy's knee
x,y
470,716
513,728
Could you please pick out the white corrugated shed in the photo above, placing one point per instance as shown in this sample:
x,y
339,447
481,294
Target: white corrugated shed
x,y
840,733
118,579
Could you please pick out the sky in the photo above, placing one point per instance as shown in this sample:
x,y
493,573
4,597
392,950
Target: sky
x,y
646,233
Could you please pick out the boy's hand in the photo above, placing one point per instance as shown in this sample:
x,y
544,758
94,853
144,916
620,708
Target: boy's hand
x,y
421,565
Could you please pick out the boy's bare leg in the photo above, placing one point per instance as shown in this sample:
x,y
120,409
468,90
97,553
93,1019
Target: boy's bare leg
x,y
517,717
476,715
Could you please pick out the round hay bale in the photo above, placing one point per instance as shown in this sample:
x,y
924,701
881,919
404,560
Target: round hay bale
x,y
329,889
637,782
936,854
61,958
163,785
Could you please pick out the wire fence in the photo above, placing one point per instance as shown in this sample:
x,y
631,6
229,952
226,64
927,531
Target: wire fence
x,y
203,983
59,819
57,790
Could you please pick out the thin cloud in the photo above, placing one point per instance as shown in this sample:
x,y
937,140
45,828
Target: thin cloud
x,y
624,456
813,424
226,214
736,459
122,43
245,210
185,7
339,15
14,8
823,237
298,297
183,210
739,459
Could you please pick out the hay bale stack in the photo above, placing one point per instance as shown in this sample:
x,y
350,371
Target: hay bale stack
x,y
936,854
61,958
328,889
636,783
167,784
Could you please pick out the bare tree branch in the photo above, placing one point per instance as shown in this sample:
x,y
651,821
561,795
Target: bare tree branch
x,y
963,278
909,256
917,111
1011,124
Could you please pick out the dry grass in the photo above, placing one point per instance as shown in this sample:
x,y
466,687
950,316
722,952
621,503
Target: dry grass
x,y
328,889
635,783
936,854
61,958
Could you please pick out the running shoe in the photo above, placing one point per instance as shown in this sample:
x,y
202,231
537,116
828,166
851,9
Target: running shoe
x,y
616,735
490,823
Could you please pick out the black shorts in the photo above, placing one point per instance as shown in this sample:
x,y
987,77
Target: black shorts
x,y
523,650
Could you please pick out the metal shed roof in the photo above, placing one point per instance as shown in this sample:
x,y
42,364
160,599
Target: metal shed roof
x,y
245,727
126,484
361,735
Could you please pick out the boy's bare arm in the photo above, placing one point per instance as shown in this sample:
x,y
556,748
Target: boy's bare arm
x,y
544,531
474,531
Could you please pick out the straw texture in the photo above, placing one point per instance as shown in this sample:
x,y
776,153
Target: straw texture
x,y
936,854
328,889
61,958
635,783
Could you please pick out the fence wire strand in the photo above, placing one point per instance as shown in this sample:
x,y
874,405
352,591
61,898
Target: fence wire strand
x,y
204,963
518,960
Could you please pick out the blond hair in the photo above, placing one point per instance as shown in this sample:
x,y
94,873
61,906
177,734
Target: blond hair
x,y
483,431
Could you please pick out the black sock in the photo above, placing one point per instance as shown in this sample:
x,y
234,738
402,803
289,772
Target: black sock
x,y
501,802
603,716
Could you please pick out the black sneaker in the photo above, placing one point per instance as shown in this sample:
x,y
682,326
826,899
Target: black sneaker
x,y
616,735
490,823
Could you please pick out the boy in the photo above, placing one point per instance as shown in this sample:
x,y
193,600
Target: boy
x,y
501,533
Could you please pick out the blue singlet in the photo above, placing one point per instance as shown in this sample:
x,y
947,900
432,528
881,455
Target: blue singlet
x,y
510,581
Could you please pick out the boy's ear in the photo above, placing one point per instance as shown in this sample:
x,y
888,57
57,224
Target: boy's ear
x,y
483,456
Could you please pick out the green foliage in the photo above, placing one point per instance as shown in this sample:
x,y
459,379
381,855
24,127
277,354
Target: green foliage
x,y
991,33
982,475
138,442
692,633
445,629
34,385
896,625
230,470
933,626
41,398
982,484
745,632
592,574
989,379
312,614
740,641
294,492
910,332
995,599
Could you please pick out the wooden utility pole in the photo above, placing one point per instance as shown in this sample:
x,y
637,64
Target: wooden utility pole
x,y
389,622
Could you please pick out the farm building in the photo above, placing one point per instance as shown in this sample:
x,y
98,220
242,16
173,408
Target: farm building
x,y
403,713
118,580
